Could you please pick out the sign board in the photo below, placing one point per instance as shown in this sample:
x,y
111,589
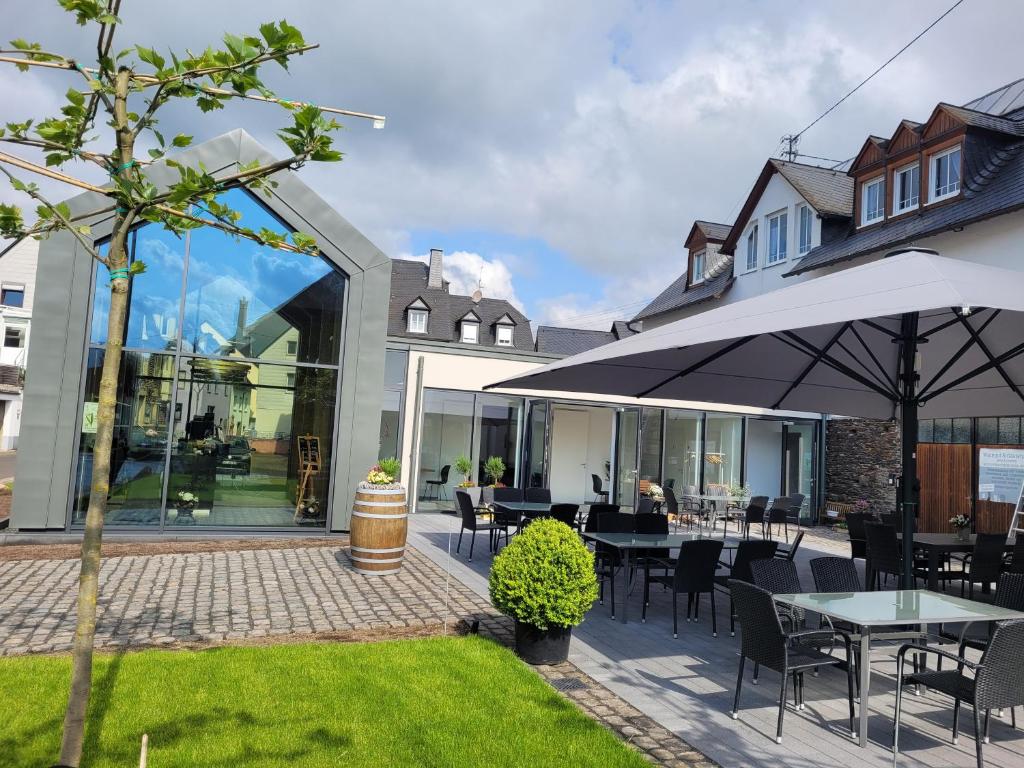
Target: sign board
x,y
90,412
1000,474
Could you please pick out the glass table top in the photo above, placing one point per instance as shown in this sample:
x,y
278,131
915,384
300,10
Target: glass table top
x,y
640,540
523,506
906,606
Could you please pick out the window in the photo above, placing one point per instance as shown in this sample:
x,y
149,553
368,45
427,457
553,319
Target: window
x,y
14,337
417,321
470,332
805,221
906,188
873,200
504,336
777,226
945,175
293,348
752,248
13,296
697,274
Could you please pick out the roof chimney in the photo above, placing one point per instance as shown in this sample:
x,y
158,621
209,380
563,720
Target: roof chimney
x,y
435,277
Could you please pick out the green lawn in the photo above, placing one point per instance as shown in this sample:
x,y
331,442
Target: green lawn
x,y
433,702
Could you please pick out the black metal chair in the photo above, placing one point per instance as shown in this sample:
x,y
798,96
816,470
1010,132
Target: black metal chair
x,y
754,514
789,553
796,505
599,493
470,522
984,564
565,513
694,574
652,522
538,495
595,513
855,522
672,505
508,494
1015,562
1009,594
997,681
503,515
765,643
778,514
883,554
779,577
746,552
646,505
608,559
440,485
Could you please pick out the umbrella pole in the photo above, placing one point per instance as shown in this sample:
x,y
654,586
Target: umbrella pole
x,y
908,436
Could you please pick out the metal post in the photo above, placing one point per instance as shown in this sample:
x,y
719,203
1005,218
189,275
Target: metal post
x,y
908,417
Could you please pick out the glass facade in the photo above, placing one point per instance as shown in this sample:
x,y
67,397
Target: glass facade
x,y
723,451
650,445
682,450
537,443
627,436
396,363
231,357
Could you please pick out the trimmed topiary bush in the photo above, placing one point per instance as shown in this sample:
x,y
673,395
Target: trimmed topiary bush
x,y
544,577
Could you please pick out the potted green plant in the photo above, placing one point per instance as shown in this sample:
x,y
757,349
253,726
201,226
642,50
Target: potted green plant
x,y
464,466
494,470
962,525
544,580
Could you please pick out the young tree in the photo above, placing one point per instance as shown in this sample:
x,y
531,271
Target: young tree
x,y
122,95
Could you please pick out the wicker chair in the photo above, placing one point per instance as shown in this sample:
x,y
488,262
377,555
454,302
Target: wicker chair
x,y
754,514
855,522
694,574
565,513
471,523
789,553
1009,594
884,555
780,578
984,564
778,514
997,681
765,643
746,553
835,574
1016,559
608,560
538,495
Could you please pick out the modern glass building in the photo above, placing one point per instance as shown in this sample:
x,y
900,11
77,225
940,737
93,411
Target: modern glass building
x,y
233,354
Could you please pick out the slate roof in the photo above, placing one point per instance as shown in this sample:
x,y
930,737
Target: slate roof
x,y
572,341
677,297
829,192
976,119
713,230
993,184
409,282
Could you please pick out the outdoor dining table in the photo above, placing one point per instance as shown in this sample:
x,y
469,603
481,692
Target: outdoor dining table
x,y
628,542
713,500
870,611
937,545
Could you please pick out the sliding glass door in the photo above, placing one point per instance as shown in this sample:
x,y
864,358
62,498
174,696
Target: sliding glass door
x,y
627,444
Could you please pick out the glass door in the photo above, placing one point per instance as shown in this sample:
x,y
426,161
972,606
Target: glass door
x,y
799,459
536,444
627,456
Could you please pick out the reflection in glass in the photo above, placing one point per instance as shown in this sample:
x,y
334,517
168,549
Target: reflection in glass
x,y
798,462
627,425
682,451
390,424
498,418
243,299
447,434
650,445
538,437
235,442
723,443
395,364
140,439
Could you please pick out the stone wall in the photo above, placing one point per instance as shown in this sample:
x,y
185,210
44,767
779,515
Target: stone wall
x,y
860,454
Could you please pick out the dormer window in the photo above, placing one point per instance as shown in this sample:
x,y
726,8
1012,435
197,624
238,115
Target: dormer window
x,y
944,175
470,332
906,192
697,270
752,248
504,336
872,200
417,321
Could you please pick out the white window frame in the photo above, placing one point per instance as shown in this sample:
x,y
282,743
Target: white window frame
x,y
503,335
752,246
933,161
897,208
417,322
782,237
474,328
698,267
801,247
864,188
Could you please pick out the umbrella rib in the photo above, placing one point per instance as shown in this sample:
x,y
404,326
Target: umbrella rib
x,y
880,328
840,367
810,366
881,380
954,357
874,358
700,364
991,358
1003,358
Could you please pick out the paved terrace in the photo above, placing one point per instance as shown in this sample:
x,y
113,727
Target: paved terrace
x,y
687,684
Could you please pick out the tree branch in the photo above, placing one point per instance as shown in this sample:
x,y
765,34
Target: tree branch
x,y
34,194
99,158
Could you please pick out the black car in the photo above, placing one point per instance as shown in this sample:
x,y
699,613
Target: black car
x,y
235,457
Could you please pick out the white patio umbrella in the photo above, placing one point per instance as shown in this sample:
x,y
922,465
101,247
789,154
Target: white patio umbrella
x,y
914,334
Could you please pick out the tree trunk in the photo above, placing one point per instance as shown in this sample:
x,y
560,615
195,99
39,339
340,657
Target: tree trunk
x,y
88,585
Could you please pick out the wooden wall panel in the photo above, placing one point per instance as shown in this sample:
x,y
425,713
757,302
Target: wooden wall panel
x,y
946,475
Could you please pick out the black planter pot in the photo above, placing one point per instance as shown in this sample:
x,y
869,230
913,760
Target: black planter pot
x,y
542,646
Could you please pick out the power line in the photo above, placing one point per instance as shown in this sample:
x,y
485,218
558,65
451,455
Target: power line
x,y
891,59
611,311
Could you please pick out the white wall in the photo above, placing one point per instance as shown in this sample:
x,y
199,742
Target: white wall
x,y
17,268
764,457
581,442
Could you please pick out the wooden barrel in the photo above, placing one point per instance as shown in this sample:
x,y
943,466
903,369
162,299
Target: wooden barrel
x,y
378,530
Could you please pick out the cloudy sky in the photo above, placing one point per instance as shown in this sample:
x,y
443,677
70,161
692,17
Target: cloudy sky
x,y
558,152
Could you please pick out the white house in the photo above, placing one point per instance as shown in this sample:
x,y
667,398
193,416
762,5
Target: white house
x,y
17,290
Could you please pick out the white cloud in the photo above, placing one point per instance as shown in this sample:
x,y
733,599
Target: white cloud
x,y
467,271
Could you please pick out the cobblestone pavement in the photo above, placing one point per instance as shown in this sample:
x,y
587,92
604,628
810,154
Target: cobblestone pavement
x,y
282,595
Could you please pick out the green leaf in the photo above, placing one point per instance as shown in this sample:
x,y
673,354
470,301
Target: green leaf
x,y
137,268
75,97
150,56
11,222
182,140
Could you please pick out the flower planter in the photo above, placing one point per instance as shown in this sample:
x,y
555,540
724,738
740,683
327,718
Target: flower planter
x,y
542,646
379,529
964,534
